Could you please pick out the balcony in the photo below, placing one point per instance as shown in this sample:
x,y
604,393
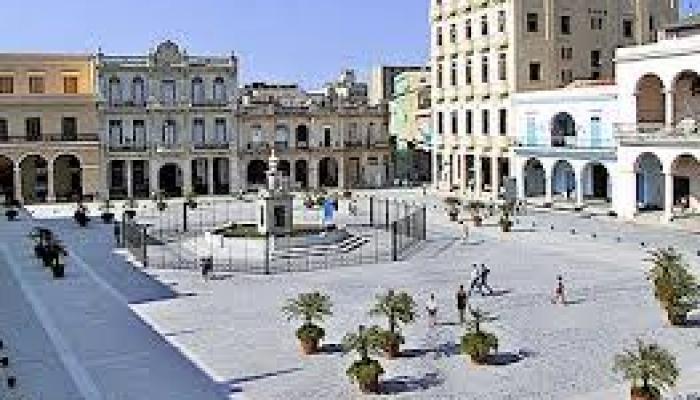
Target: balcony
x,y
686,133
257,148
127,147
209,103
169,148
52,138
210,145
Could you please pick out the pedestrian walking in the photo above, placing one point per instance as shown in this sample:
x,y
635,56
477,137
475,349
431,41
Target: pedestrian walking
x,y
432,309
117,233
465,231
207,267
475,279
484,281
559,295
461,304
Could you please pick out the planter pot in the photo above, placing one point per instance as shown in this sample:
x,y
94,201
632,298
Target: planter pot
x,y
162,206
677,319
392,350
192,204
59,271
641,394
478,221
308,346
107,217
478,360
453,217
506,228
370,386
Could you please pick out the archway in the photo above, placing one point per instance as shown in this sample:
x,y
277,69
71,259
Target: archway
x,y
686,97
35,179
535,178
285,168
200,176
651,98
301,173
7,179
222,176
563,130
596,181
170,180
67,178
256,172
328,172
563,179
117,179
650,182
686,181
302,136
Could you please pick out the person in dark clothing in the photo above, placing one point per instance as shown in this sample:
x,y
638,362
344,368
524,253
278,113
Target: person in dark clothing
x,y
485,271
461,304
117,233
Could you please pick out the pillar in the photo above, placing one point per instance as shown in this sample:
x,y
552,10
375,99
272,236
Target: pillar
x,y
186,167
210,176
129,179
669,108
548,185
435,168
519,174
341,173
668,197
477,176
313,174
495,178
625,194
50,195
579,179
153,183
19,196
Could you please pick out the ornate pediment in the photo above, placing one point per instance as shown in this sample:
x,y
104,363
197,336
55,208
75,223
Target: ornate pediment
x,y
167,53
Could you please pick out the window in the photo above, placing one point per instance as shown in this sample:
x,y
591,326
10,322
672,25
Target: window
x,y
33,129
565,25
138,91
169,133
453,71
468,29
596,23
455,122
139,131
115,132
484,25
502,121
502,70
627,28
501,21
220,130
198,91
7,85
167,92
532,22
468,72
36,84
440,123
567,53
198,131
439,76
469,122
567,76
485,122
535,71
219,90
595,58
70,84
4,133
484,69
69,128
438,36
114,91
453,33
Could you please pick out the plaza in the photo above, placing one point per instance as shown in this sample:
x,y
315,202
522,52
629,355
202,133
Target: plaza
x,y
110,329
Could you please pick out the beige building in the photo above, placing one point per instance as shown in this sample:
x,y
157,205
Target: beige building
x,y
322,140
49,148
483,51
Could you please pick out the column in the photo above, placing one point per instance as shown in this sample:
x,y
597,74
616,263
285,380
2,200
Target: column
x,y
186,177
234,175
341,173
50,195
477,176
153,183
313,173
19,196
669,108
435,168
579,178
668,197
129,178
495,178
548,185
625,194
210,176
517,171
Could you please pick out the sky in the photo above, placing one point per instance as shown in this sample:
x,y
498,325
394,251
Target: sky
x,y
289,41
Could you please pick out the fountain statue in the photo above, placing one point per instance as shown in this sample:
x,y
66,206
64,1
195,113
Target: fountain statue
x,y
275,203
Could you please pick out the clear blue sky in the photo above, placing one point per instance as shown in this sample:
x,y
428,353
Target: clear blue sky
x,y
306,41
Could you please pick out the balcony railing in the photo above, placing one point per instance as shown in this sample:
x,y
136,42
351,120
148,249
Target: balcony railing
x,y
684,132
211,146
127,147
52,138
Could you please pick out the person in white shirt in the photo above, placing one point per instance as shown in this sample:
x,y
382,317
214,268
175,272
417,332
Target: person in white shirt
x,y
475,279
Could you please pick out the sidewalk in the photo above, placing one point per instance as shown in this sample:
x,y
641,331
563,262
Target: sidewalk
x,y
109,352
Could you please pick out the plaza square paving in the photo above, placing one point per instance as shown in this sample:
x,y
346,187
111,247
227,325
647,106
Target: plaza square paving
x,y
114,327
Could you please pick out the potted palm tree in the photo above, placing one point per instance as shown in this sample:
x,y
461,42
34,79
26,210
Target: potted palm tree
x,y
452,204
191,200
396,307
506,222
649,368
477,343
365,371
675,287
309,307
159,200
107,215
475,208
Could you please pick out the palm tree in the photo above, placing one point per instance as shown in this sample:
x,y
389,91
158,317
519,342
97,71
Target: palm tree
x,y
365,371
477,343
649,368
309,308
674,286
397,307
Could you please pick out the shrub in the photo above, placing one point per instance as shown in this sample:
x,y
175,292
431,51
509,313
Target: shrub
x,y
675,287
310,332
649,368
364,371
397,308
309,307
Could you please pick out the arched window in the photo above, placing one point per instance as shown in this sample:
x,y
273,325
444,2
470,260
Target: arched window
x,y
138,91
219,90
563,130
198,92
169,136
114,91
281,137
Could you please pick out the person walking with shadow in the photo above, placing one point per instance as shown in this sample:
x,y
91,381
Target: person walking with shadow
x,y
559,295
475,280
117,233
461,304
484,275
432,309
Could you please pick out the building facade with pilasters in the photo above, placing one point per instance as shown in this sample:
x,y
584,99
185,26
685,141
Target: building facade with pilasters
x,y
484,51
168,123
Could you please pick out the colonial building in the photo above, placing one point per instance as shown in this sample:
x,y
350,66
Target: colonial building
x,y
168,123
49,148
410,126
323,140
482,52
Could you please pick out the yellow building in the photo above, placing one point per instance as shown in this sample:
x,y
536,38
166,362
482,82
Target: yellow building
x,y
49,147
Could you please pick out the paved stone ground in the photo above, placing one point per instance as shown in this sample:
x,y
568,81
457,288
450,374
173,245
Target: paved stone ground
x,y
234,329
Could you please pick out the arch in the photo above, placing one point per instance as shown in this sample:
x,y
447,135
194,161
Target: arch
x,y
138,91
198,90
686,181
686,96
170,180
651,99
256,172
301,173
35,178
68,178
328,172
302,136
7,178
596,181
219,89
650,182
563,179
563,129
535,178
